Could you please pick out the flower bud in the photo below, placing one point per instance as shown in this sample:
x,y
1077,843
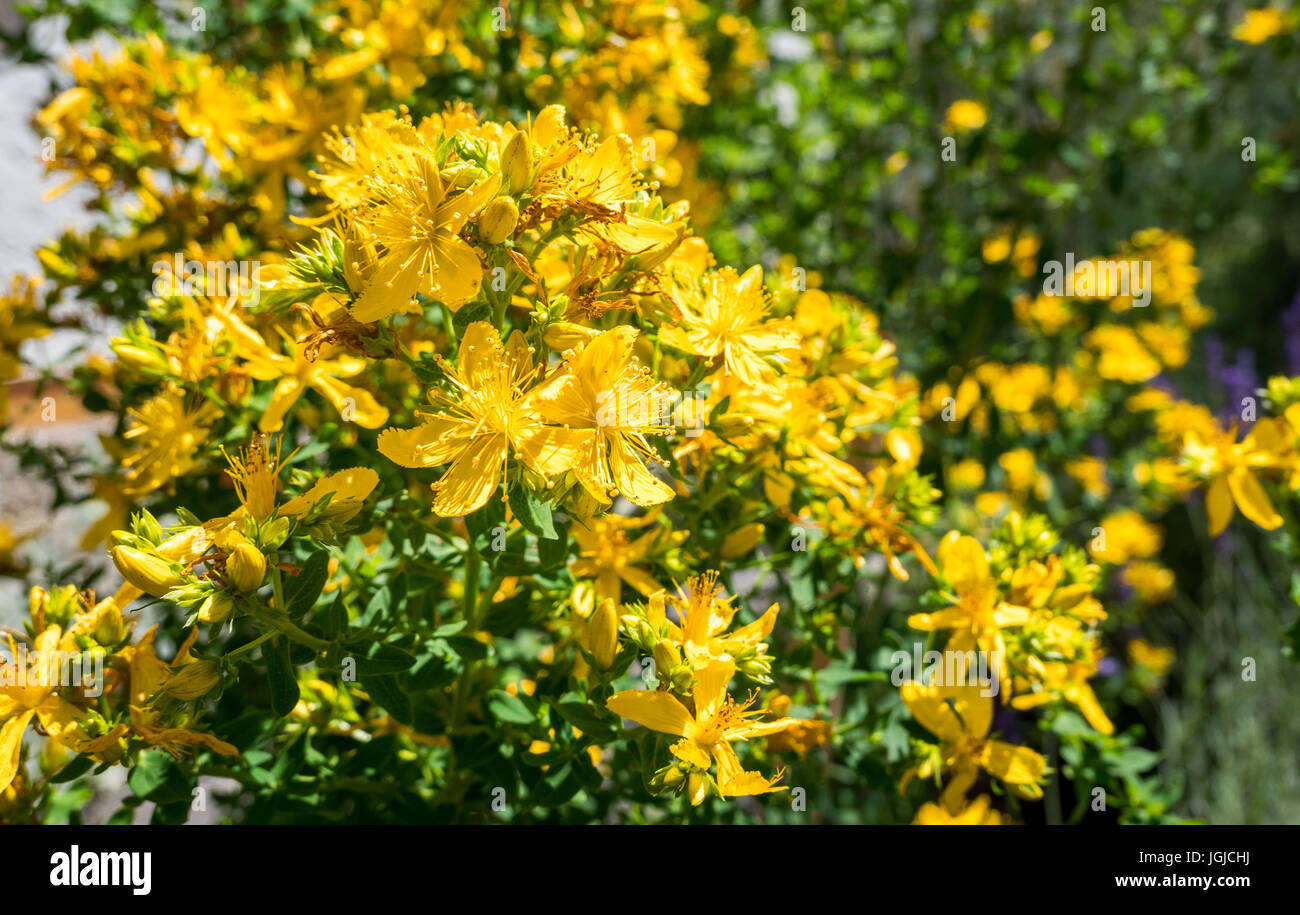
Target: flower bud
x,y
498,221
731,425
602,634
151,574
147,526
245,567
193,680
139,358
641,632
461,175
110,627
215,608
667,657
562,335
517,163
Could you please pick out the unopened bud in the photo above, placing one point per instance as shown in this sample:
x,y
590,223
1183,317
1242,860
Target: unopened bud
x,y
151,574
215,608
666,656
498,221
193,680
563,335
730,425
245,567
139,358
517,163
109,628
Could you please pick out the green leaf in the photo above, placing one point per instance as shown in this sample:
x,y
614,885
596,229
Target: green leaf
x,y
75,769
581,716
532,514
384,659
508,709
156,778
389,695
305,588
279,674
552,552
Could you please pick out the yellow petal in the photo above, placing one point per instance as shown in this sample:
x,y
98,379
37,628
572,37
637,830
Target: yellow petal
x,y
653,709
11,741
1252,500
1218,505
1013,764
471,479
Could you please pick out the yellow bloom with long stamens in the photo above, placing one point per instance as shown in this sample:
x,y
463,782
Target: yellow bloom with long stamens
x,y
295,370
707,732
416,217
979,612
478,425
37,697
603,403
611,559
253,473
166,437
960,716
729,319
704,618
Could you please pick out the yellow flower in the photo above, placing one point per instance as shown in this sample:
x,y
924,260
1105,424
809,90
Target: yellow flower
x,y
148,678
703,620
1152,582
253,473
866,513
996,248
1122,357
976,813
300,368
730,321
960,717
1260,25
707,733
606,555
966,474
489,415
1153,658
1126,535
38,697
416,217
1068,681
964,115
1090,473
602,183
603,404
1231,468
166,438
979,612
